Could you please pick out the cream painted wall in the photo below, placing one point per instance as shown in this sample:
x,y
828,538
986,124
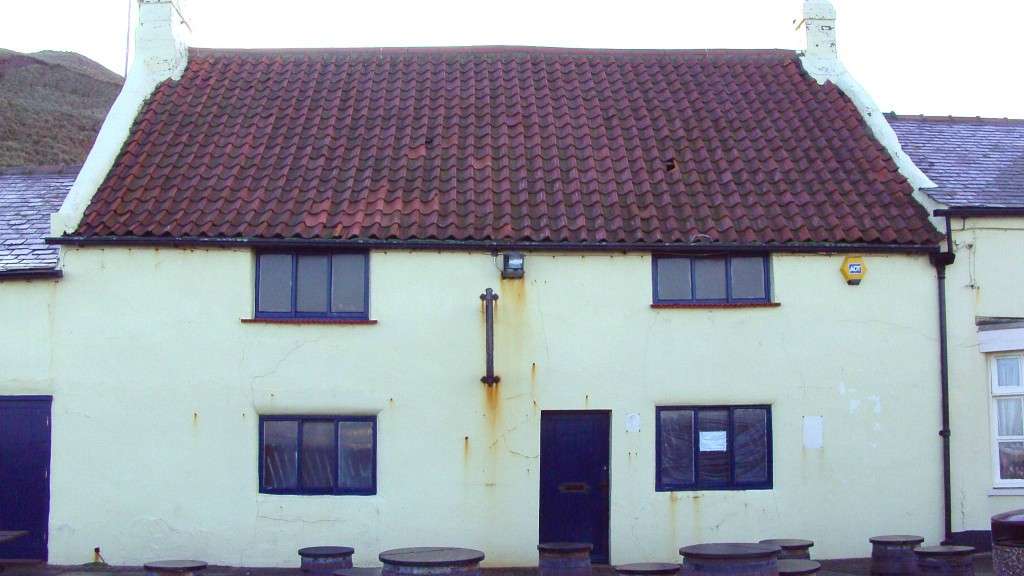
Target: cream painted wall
x,y
26,336
158,387
985,281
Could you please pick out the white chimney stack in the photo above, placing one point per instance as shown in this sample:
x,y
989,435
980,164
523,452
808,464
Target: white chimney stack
x,y
161,53
820,24
161,39
821,59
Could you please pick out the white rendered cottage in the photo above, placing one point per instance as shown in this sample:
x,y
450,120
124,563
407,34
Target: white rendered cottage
x,y
269,332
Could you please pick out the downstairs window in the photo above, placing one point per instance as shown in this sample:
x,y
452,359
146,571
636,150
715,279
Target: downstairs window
x,y
318,454
713,448
1008,418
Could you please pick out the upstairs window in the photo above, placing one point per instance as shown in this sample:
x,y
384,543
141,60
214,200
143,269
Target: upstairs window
x,y
725,279
713,448
312,285
318,455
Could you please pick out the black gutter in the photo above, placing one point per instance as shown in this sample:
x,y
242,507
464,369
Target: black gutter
x,y
486,245
30,274
979,211
940,260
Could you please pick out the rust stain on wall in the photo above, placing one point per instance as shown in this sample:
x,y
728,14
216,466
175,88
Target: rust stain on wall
x,y
533,383
513,291
696,517
673,499
492,405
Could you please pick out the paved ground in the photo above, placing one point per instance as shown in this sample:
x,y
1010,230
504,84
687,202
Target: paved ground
x,y
850,567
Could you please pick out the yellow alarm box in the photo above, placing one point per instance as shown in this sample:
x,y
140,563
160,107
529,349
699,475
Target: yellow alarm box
x,y
854,269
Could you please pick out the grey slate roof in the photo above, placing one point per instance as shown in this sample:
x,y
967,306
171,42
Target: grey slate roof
x,y
27,198
974,161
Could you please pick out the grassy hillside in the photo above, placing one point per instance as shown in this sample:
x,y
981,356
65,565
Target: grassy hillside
x,y
51,106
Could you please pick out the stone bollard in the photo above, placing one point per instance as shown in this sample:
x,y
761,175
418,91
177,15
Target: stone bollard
x,y
730,559
1008,557
1008,543
648,569
324,560
357,572
798,567
174,567
792,548
945,560
894,554
431,561
564,558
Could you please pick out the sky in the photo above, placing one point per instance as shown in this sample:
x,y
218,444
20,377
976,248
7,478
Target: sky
x,y
913,56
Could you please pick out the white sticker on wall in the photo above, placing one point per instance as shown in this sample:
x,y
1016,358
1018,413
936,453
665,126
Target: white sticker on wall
x,y
713,441
632,422
814,431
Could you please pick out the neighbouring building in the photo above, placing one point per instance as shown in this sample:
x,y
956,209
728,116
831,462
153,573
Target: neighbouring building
x,y
978,166
492,296
28,289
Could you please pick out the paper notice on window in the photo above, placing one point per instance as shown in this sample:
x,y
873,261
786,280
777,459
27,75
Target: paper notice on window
x,y
713,441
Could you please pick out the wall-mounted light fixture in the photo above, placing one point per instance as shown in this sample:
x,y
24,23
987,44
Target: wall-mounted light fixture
x,y
513,265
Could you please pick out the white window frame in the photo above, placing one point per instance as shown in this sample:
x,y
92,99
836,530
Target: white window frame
x,y
996,393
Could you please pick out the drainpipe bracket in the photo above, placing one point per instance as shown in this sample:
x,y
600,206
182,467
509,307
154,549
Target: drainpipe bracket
x,y
942,258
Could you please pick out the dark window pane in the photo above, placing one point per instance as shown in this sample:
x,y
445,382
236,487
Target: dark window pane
x,y
709,277
750,444
712,447
275,289
1011,460
311,295
355,466
318,456
348,283
676,448
280,453
674,279
748,277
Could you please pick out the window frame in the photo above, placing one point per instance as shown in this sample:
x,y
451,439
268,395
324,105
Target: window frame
x,y
294,313
729,298
299,490
994,396
661,486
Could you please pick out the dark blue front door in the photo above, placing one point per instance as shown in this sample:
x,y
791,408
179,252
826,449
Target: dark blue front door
x,y
25,474
574,491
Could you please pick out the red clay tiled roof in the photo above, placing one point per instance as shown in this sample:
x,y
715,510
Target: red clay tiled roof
x,y
505,144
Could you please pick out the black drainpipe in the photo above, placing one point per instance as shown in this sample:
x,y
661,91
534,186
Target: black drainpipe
x,y
940,260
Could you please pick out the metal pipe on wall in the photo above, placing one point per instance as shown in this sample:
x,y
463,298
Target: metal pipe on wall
x,y
940,261
489,298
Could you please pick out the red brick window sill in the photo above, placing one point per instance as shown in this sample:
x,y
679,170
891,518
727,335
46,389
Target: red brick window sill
x,y
308,321
719,305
